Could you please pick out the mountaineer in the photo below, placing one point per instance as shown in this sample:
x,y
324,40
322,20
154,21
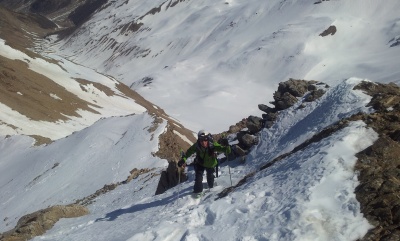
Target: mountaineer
x,y
206,159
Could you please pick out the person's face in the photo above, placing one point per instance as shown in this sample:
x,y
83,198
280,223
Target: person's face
x,y
204,141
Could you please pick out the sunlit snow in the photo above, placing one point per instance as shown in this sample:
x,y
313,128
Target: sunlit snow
x,y
211,63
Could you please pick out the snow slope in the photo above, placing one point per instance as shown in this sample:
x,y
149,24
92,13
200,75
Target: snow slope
x,y
208,64
32,178
199,59
306,196
64,73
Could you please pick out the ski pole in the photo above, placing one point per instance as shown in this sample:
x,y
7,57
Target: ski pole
x,y
179,175
230,176
179,182
229,167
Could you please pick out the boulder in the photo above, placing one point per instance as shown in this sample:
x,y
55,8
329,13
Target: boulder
x,y
284,101
170,177
254,124
266,108
314,95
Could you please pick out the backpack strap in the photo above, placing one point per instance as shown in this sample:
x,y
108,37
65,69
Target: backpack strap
x,y
201,154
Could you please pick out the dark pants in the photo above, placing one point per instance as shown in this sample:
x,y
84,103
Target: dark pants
x,y
198,181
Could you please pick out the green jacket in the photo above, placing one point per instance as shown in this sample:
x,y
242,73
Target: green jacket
x,y
206,156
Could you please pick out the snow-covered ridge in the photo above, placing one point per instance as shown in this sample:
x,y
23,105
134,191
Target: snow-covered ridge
x,y
308,195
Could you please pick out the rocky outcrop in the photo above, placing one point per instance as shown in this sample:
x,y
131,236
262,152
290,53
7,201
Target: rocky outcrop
x,y
379,165
329,31
289,91
39,222
170,177
288,94
134,173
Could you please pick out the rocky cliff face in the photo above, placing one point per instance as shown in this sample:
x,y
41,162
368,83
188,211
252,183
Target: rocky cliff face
x,y
379,165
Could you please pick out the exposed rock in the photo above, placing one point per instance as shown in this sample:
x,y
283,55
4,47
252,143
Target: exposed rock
x,y
379,165
39,222
248,140
238,151
288,93
270,117
171,177
234,129
395,135
266,108
395,41
135,173
314,95
171,144
284,101
329,31
254,124
297,88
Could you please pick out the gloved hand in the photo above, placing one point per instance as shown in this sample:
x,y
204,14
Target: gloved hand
x,y
224,142
181,163
229,149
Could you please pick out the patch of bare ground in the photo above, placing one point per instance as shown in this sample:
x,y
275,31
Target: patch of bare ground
x,y
36,96
20,31
39,98
40,140
106,90
37,223
379,164
134,174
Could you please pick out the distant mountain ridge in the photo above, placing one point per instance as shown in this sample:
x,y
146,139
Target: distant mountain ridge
x,y
65,13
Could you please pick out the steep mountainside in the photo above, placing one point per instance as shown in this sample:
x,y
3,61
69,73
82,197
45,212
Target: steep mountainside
x,y
53,95
72,76
57,11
